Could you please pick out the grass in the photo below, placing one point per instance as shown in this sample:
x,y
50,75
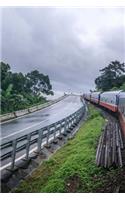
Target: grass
x,y
72,168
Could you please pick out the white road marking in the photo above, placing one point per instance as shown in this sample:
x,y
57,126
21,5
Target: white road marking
x,y
25,128
21,130
3,167
7,165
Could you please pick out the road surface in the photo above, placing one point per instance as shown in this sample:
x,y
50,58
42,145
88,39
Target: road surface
x,y
36,120
33,121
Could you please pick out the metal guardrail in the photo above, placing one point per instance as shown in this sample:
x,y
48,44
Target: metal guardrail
x,y
12,149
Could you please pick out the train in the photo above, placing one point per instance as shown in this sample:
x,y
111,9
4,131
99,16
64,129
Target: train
x,y
111,100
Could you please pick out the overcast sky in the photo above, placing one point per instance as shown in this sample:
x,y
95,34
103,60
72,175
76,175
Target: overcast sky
x,y
68,44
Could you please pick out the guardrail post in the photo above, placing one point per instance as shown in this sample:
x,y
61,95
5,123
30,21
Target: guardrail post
x,y
74,119
82,111
60,128
55,127
70,123
65,127
71,120
28,146
66,124
77,118
68,118
79,115
40,132
13,154
47,136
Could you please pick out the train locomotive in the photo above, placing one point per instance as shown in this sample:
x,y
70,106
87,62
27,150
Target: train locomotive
x,y
111,100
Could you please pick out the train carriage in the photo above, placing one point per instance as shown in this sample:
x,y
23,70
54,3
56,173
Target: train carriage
x,y
121,110
112,100
87,96
121,104
109,100
95,97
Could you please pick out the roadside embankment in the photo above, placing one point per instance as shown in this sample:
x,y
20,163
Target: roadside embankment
x,y
19,113
73,168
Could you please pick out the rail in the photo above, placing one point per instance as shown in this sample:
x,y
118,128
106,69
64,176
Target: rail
x,y
23,145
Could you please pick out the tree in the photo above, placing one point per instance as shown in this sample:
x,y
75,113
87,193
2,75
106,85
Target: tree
x,y
5,69
7,98
38,82
111,76
5,75
19,83
18,91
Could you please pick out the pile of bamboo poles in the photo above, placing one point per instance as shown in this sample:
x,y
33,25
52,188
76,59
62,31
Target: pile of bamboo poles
x,y
109,150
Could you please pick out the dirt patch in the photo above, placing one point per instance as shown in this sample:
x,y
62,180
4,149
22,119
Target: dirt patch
x,y
73,183
112,183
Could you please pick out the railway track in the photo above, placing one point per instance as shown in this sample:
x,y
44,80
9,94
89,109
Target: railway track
x,y
111,146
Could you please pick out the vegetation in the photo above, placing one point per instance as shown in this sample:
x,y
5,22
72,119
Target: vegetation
x,y
112,77
72,168
18,91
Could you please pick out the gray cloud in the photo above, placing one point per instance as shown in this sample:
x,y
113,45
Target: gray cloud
x,y
68,44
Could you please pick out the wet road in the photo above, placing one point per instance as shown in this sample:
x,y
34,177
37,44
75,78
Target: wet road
x,y
39,119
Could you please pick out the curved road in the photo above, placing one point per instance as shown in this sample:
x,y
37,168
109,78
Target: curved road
x,y
36,120
33,121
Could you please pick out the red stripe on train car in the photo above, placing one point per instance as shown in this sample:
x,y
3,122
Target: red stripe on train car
x,y
109,106
122,122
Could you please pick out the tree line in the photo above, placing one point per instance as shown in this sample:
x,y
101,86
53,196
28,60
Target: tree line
x,y
19,91
112,77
